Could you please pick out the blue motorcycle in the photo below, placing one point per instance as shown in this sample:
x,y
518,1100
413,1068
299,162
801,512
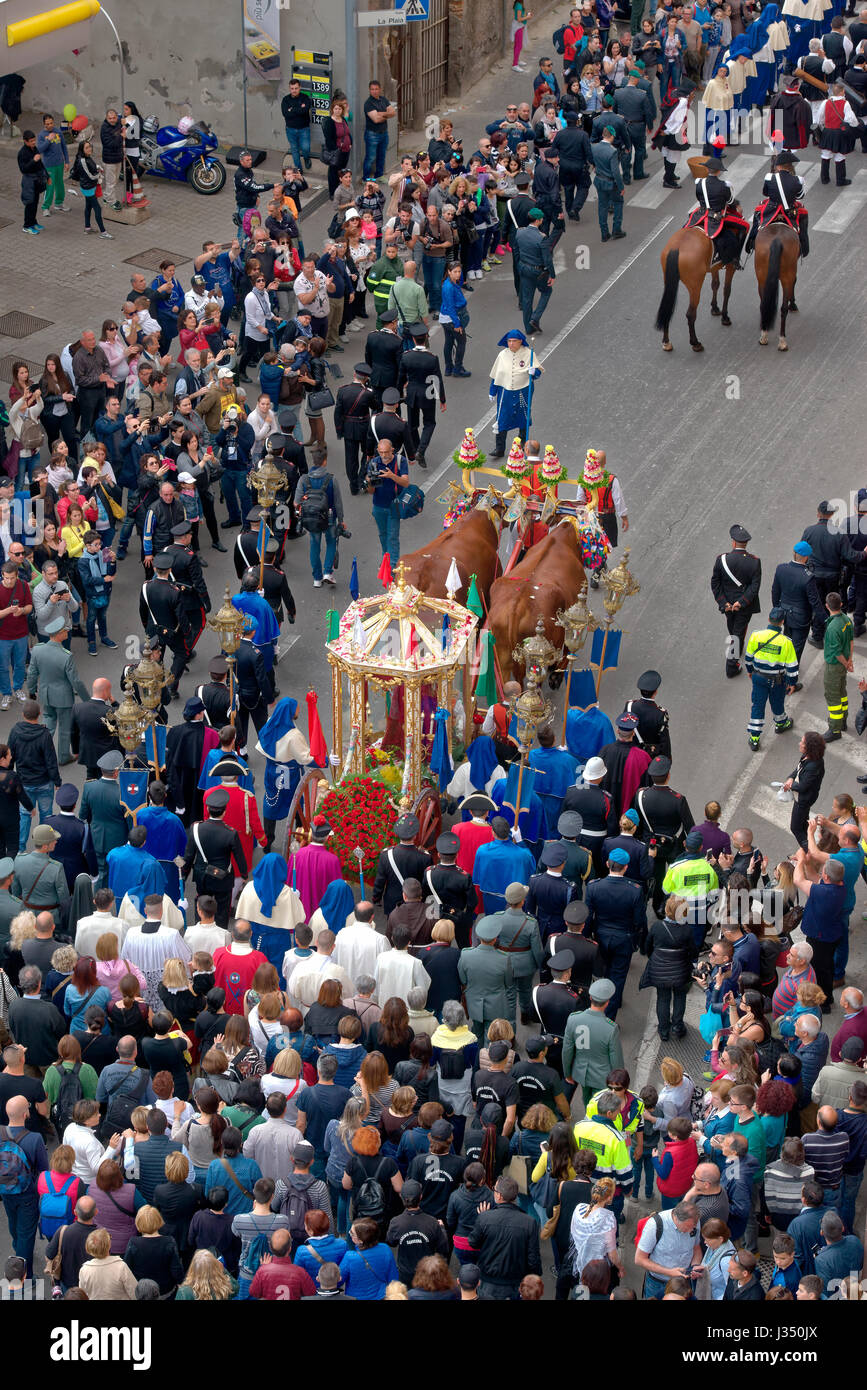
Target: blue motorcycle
x,y
181,152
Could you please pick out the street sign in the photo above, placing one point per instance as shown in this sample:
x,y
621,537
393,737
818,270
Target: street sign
x,y
380,19
414,9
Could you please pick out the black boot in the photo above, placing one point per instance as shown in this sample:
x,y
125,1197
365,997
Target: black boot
x,y
669,180
499,445
840,169
825,176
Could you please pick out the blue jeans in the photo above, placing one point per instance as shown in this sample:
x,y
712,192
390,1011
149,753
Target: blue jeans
x,y
388,525
126,531
316,539
96,618
299,144
22,1213
645,1166
236,493
433,270
851,1187
339,1206
654,1287
609,198
43,796
375,146
13,652
26,468
529,284
765,690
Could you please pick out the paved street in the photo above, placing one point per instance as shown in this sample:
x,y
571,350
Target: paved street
x,y
739,433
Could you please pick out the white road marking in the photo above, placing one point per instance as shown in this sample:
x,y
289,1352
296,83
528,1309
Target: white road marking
x,y
845,207
561,337
744,168
811,175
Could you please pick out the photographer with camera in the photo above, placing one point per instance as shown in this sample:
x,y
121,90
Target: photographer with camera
x,y
235,441
387,475
320,507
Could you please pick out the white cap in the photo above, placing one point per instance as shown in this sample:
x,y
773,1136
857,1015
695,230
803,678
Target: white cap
x,y
594,769
225,371
351,212
186,478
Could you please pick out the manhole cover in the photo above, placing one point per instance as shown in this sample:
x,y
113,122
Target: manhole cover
x,y
6,366
18,325
151,258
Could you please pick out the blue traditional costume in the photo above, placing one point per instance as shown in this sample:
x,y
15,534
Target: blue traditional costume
x,y
587,730
166,839
511,375
286,753
556,774
135,873
482,766
262,901
336,904
738,58
531,821
498,864
208,779
266,628
756,35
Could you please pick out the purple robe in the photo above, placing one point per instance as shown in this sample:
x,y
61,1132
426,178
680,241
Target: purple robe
x,y
311,869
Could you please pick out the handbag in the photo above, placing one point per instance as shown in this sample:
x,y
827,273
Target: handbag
x,y
329,156
519,1171
410,502
10,459
463,317
321,400
55,1264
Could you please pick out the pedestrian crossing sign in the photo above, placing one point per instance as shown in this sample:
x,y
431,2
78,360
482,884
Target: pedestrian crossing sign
x,y
414,9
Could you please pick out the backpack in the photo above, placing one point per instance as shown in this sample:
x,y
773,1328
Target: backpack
x,y
316,505
657,1221
296,1206
55,1209
558,38
258,1248
370,1199
16,1174
71,1090
118,1115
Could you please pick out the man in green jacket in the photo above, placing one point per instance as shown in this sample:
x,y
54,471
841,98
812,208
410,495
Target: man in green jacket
x,y
101,808
839,634
591,1045
409,299
53,677
518,938
486,975
382,276
40,881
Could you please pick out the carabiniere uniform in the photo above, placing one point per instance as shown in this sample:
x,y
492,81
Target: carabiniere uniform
x,y
736,578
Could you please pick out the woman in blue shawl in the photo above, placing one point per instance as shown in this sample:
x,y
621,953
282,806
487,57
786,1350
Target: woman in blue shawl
x,y
266,627
478,770
272,908
335,905
286,753
756,91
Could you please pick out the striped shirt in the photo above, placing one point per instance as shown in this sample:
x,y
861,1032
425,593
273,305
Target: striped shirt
x,y
786,993
783,1184
827,1150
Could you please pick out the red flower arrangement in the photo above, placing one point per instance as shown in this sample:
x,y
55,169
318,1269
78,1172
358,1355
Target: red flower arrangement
x,y
361,813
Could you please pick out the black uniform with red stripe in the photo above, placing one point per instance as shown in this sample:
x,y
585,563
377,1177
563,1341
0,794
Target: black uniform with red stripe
x,y
736,578
187,573
163,614
653,733
599,814
664,817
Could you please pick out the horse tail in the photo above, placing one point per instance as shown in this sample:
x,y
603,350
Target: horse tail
x,y
669,294
770,290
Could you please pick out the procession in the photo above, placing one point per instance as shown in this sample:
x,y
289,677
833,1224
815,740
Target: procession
x,y
446,883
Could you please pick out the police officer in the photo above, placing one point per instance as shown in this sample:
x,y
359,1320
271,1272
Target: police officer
x,y
398,863
554,1002
772,663
856,530
609,183
832,551
634,104
253,686
74,849
550,891
782,188
187,573
518,938
652,733
420,374
664,822
163,615
586,959
838,660
211,845
452,889
288,455
535,269
518,210
352,420
617,916
735,583
245,554
713,193
622,140
275,584
216,696
795,593
573,147
546,191
578,865
382,353
388,424
595,807
486,975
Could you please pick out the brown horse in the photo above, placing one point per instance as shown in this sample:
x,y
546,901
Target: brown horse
x,y
687,257
777,250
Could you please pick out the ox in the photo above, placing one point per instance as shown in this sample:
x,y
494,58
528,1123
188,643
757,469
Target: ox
x,y
471,542
547,580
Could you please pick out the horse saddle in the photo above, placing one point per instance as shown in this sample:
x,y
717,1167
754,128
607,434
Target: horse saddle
x,y
775,212
709,222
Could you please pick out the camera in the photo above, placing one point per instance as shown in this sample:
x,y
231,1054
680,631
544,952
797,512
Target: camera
x,y
342,531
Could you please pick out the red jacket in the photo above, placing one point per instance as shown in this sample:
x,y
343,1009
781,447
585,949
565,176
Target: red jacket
x,y
280,1278
684,1157
242,814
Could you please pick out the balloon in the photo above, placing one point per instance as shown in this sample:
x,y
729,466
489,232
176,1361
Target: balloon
x,y
70,111
79,123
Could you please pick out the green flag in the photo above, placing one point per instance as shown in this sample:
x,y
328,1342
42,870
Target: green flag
x,y
332,618
486,685
474,603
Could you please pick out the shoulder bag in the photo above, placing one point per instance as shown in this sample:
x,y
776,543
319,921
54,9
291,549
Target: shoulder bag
x,y
54,1265
236,1180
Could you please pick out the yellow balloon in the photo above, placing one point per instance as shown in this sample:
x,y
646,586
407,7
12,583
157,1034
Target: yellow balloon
x,y
70,112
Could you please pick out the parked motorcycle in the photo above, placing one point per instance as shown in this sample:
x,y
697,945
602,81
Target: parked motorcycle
x,y
181,152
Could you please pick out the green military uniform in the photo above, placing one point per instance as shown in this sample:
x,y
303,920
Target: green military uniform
x,y
839,634
591,1049
10,906
578,867
380,278
486,975
40,883
101,808
520,941
53,678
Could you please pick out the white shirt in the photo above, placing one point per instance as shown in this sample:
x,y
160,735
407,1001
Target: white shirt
x,y
357,949
318,306
205,936
396,973
198,302
89,1153
307,980
90,929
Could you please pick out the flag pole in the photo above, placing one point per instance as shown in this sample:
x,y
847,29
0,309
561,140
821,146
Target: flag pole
x,y
262,529
599,672
566,700
529,395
